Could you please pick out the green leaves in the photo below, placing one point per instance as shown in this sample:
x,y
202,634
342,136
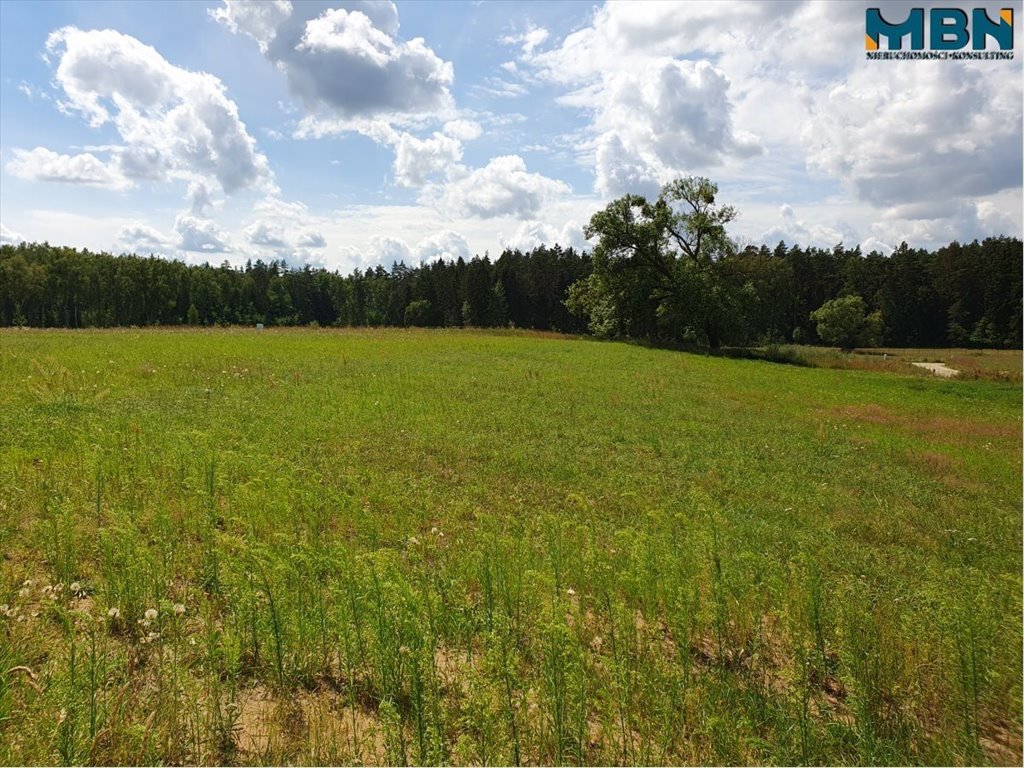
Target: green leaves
x,y
655,267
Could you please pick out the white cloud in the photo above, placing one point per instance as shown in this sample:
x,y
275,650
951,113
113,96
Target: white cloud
x,y
794,230
139,236
418,159
41,164
655,116
262,233
664,121
873,244
200,235
346,64
951,132
311,239
501,188
174,124
258,20
528,41
622,170
388,250
9,236
199,198
463,130
447,245
532,234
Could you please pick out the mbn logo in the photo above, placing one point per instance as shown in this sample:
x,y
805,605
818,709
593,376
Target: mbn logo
x,y
948,29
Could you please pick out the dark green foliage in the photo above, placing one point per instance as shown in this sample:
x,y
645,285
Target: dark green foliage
x,y
665,272
959,295
418,313
841,322
46,286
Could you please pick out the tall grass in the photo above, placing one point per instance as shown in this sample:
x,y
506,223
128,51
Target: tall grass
x,y
460,547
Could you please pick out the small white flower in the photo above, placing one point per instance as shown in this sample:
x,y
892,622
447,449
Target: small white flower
x,y
570,592
114,613
179,608
151,614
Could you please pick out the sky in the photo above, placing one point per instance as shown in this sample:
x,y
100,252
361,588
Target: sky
x,y
350,134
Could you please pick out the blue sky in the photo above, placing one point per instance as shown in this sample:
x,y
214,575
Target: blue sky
x,y
346,134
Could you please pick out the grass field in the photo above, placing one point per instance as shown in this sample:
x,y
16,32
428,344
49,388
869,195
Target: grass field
x,y
305,546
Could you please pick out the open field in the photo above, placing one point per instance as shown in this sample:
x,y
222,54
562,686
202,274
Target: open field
x,y
451,546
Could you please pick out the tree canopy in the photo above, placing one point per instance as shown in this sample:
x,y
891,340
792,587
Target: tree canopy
x,y
662,271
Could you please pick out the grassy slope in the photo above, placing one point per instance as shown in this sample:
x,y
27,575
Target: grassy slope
x,y
468,547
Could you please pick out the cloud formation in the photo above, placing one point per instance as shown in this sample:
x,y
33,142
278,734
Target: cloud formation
x,y
345,61
501,188
174,124
42,164
139,236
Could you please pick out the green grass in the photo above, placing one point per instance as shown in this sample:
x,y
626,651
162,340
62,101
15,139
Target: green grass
x,y
463,547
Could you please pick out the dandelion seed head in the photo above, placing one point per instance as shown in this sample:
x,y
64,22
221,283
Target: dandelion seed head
x,y
151,614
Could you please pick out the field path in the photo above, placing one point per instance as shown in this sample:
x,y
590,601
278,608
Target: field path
x,y
939,369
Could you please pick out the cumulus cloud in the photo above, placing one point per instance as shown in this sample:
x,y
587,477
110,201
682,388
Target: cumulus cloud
x,y
345,63
532,234
311,239
447,245
283,229
9,236
139,236
258,20
795,230
463,130
656,115
41,164
950,132
200,235
418,159
622,170
174,124
388,250
199,198
661,122
262,233
501,188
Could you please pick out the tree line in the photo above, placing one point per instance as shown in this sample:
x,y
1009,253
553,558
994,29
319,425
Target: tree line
x,y
661,271
47,286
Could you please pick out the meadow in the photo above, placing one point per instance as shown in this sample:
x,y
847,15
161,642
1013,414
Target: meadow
x,y
365,546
